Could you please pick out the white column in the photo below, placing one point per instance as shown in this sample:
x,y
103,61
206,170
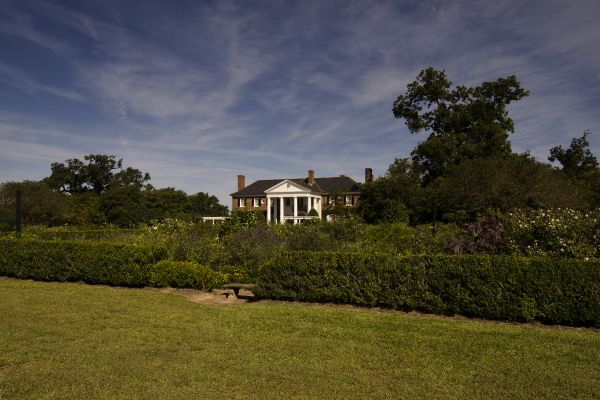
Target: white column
x,y
281,208
295,209
319,206
268,210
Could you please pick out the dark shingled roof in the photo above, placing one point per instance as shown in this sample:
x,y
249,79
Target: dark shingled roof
x,y
342,183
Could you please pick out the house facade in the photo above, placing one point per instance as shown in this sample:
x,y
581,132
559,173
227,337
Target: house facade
x,y
290,200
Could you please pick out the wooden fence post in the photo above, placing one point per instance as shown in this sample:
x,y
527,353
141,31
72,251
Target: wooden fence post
x,y
18,217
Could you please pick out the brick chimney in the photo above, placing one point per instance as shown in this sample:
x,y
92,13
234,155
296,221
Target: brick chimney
x,y
311,177
241,182
368,175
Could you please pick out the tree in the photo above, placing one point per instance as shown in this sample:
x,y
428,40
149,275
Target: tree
x,y
131,177
578,159
398,196
476,186
100,171
165,203
205,205
97,175
124,206
464,122
40,205
70,177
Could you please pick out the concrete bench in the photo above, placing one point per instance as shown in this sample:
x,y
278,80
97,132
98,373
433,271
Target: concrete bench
x,y
236,288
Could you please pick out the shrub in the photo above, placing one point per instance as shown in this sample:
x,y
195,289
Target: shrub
x,y
100,263
240,219
183,241
400,238
553,232
106,233
249,247
555,291
183,274
484,236
307,236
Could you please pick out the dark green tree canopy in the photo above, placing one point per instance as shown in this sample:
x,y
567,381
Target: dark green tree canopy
x,y
205,205
97,175
578,159
40,203
464,122
519,181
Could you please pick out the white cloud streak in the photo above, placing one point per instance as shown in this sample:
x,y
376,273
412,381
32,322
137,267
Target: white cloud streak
x,y
274,90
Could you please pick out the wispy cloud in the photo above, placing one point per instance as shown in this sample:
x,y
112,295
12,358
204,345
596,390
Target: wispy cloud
x,y
198,93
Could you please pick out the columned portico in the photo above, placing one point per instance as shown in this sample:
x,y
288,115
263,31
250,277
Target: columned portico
x,y
289,202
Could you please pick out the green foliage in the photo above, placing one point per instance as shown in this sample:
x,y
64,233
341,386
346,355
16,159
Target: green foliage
x,y
184,274
240,219
578,159
183,240
550,290
465,123
97,175
128,206
205,205
314,237
124,206
39,204
519,181
102,263
90,262
106,233
397,197
249,247
554,233
399,238
344,231
164,203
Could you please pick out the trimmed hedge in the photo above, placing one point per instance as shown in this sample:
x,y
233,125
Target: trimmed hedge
x,y
553,291
91,262
101,263
183,274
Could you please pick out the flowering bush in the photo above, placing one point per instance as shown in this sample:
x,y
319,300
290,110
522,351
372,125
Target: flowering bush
x,y
183,240
553,232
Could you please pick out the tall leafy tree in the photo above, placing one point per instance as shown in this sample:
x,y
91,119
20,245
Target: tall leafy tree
x,y
398,196
463,122
205,205
578,159
98,173
519,181
69,177
40,204
131,177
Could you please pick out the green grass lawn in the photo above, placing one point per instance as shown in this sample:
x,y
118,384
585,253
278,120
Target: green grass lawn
x,y
72,341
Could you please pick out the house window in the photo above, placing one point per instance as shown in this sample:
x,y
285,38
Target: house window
x,y
242,203
256,202
348,200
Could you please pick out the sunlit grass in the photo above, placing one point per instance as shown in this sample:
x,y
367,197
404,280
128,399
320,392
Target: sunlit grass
x,y
72,341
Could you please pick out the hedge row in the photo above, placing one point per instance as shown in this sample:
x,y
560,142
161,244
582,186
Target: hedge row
x,y
100,263
554,291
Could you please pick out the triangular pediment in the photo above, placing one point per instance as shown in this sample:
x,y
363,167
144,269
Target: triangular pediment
x,y
287,186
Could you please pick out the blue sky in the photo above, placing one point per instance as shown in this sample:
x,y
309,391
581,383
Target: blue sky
x,y
197,92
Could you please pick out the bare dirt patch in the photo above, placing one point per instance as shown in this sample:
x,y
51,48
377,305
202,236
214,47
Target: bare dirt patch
x,y
217,296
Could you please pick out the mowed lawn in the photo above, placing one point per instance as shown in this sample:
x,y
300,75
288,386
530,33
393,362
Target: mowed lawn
x,y
73,341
